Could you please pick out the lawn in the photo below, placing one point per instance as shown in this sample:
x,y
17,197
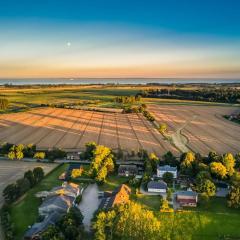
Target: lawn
x,y
209,222
25,212
148,201
112,182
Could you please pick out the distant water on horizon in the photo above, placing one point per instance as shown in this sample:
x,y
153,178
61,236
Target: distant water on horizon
x,y
76,81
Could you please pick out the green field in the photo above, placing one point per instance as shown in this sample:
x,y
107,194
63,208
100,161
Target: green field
x,y
24,98
25,211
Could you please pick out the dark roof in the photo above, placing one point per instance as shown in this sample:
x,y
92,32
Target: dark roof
x,y
37,228
59,201
74,166
157,185
107,202
222,185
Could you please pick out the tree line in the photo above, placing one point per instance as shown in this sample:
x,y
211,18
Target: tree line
x,y
3,103
127,99
13,192
225,95
30,151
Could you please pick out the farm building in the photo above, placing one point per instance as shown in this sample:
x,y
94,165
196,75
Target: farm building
x,y
187,198
127,170
73,156
157,187
119,196
161,170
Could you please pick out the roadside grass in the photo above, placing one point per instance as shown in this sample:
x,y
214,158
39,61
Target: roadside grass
x,y
25,211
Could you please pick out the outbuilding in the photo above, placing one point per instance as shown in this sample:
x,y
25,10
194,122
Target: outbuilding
x,y
157,187
187,198
161,170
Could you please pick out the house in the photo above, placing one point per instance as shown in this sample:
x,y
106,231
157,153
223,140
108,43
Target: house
x,y
60,204
67,189
187,198
73,156
119,196
127,170
55,204
161,170
35,231
157,187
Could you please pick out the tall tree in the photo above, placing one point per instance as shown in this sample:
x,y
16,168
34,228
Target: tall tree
x,y
38,174
234,196
228,161
218,169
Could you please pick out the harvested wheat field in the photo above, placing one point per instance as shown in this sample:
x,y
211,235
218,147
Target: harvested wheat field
x,y
203,126
72,129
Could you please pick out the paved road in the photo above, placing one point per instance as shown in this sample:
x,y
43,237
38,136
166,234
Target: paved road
x,y
10,171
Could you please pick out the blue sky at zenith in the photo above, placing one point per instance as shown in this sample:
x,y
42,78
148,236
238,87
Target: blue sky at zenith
x,y
84,37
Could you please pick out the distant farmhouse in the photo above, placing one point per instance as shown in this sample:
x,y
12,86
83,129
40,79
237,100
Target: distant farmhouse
x,y
119,196
157,187
73,155
187,198
55,204
127,170
161,170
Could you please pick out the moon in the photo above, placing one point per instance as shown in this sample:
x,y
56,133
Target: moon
x,y
68,44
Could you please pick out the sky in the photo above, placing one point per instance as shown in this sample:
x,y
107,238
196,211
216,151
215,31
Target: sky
x,y
120,38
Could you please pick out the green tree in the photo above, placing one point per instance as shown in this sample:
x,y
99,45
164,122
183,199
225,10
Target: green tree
x,y
218,169
90,147
19,148
3,103
39,155
168,178
164,205
23,185
130,221
188,160
38,174
102,163
52,233
228,161
11,155
162,128
206,186
30,177
234,196
19,155
10,193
